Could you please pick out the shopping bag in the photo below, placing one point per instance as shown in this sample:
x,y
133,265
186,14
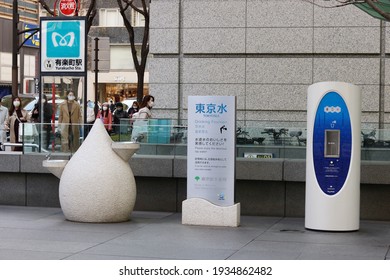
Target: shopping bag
x,y
27,130
20,132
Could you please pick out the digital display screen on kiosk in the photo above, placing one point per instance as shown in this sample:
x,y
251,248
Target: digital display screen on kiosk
x,y
332,144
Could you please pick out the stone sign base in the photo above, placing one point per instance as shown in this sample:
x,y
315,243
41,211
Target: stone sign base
x,y
197,211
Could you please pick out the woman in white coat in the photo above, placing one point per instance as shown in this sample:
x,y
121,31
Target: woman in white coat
x,y
17,116
140,125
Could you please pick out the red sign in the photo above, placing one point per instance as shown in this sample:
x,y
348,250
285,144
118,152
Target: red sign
x,y
68,7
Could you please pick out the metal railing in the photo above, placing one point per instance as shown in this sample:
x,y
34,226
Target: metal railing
x,y
254,139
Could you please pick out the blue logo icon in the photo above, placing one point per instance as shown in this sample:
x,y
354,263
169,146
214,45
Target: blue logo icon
x,y
221,196
63,39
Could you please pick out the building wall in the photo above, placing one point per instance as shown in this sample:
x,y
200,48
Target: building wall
x,y
265,52
27,57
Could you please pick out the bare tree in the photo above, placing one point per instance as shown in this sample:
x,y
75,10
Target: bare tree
x,y
125,7
91,13
375,5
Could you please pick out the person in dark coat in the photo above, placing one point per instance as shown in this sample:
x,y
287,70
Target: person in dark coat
x,y
46,123
119,114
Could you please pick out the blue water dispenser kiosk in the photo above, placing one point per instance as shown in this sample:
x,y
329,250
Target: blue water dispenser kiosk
x,y
333,157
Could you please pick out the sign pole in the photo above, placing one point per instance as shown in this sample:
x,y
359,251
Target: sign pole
x,y
96,75
15,43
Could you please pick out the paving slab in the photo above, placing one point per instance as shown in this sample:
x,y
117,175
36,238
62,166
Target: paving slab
x,y
39,233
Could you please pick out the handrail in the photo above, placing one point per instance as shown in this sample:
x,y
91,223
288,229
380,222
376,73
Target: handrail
x,y
169,137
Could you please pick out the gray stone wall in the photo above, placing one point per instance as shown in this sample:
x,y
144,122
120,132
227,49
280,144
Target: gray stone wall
x,y
265,52
264,187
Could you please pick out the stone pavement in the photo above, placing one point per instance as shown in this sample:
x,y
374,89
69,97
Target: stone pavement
x,y
44,234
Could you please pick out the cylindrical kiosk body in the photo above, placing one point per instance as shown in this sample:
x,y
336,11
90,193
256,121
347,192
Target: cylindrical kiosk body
x,y
333,157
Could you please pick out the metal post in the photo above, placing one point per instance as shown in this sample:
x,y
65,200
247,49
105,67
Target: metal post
x,y
15,44
96,75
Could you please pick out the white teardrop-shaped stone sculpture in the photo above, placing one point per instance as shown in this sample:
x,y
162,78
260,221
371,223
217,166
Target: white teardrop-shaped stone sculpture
x,y
97,185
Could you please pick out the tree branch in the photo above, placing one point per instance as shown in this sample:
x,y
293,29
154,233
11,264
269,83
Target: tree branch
x,y
130,30
139,62
46,7
378,10
342,3
91,13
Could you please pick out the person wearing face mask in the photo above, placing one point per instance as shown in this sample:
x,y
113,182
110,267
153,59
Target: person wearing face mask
x,y
146,107
140,126
119,114
17,116
133,109
105,116
69,120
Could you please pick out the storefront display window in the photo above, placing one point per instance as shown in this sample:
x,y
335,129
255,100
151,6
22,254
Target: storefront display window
x,y
119,92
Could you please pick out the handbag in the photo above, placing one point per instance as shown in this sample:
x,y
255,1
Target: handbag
x,y
30,130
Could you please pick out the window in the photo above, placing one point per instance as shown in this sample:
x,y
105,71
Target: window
x,y
6,66
44,13
29,65
138,19
121,58
110,17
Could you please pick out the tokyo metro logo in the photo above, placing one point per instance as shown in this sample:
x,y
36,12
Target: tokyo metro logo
x,y
59,40
63,39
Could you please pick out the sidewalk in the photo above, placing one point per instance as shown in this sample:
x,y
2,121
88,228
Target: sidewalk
x,y
44,234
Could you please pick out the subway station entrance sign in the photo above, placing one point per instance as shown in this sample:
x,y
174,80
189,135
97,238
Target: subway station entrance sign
x,y
63,45
211,152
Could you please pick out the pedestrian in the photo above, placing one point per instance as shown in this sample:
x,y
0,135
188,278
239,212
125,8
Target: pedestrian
x,y
146,107
106,117
3,118
119,114
69,120
47,115
133,109
141,123
90,116
112,106
17,115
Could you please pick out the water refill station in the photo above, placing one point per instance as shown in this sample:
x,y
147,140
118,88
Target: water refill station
x,y
333,157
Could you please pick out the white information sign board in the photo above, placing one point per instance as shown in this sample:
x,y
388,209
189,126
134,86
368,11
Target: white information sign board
x,y
63,45
211,152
